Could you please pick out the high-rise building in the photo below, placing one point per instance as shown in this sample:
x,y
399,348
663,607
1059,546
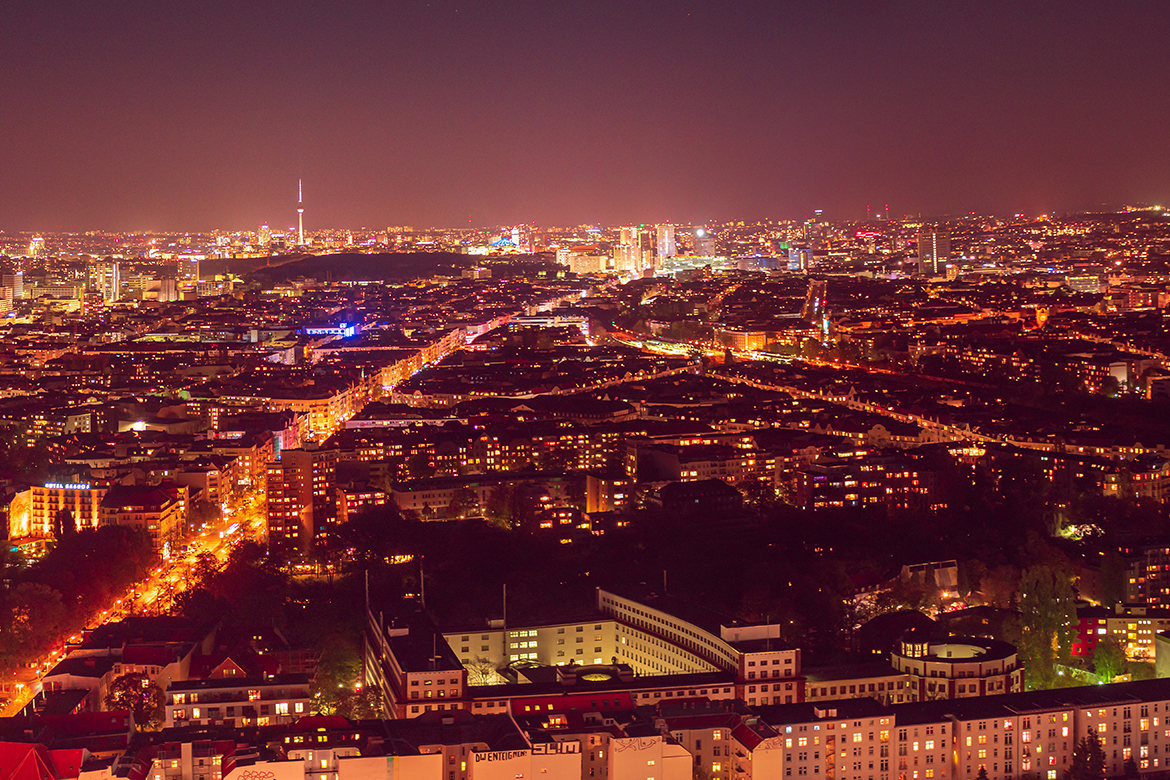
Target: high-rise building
x,y
106,278
635,249
626,255
704,243
168,290
800,258
36,247
190,272
934,249
264,236
666,245
15,282
302,499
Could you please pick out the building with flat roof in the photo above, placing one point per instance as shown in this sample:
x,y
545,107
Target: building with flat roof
x,y
238,701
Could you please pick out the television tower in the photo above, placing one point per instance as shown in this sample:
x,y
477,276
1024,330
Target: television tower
x,y
300,214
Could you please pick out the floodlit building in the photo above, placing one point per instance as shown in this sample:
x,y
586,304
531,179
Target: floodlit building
x,y
79,503
666,242
934,249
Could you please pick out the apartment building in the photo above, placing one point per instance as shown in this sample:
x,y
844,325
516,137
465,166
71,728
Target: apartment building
x,y
156,511
238,701
302,499
1134,626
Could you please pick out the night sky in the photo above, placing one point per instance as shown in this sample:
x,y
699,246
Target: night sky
x,y
197,115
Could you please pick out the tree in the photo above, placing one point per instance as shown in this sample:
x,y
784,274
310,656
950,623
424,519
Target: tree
x,y
1088,759
206,565
481,671
1112,579
1046,617
252,584
464,503
203,514
64,524
23,459
138,693
93,567
419,466
982,773
902,595
998,586
35,618
970,576
365,704
1131,770
1108,659
500,503
337,680
199,605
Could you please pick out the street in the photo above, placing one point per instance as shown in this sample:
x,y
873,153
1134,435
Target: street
x,y
155,595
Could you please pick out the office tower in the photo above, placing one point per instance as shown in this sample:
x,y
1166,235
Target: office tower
x,y
666,245
167,290
106,278
300,215
188,270
264,236
800,258
15,282
302,499
627,236
704,243
635,249
934,248
646,251
36,247
626,254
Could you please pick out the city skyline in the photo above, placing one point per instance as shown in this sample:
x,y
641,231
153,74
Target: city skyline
x,y
644,391
439,114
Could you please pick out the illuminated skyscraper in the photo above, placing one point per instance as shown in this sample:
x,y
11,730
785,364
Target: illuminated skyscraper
x,y
15,282
36,247
167,290
704,245
107,279
300,215
188,270
264,235
635,250
666,245
934,249
800,258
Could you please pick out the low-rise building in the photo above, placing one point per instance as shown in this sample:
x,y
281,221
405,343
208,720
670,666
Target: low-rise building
x,y
238,701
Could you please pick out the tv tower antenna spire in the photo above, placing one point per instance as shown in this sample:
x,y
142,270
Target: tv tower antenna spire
x,y
300,215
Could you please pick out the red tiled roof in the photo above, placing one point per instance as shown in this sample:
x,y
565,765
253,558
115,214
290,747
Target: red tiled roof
x,y
24,761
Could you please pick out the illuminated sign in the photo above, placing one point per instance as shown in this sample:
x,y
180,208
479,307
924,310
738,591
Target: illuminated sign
x,y
344,330
554,748
67,485
501,755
